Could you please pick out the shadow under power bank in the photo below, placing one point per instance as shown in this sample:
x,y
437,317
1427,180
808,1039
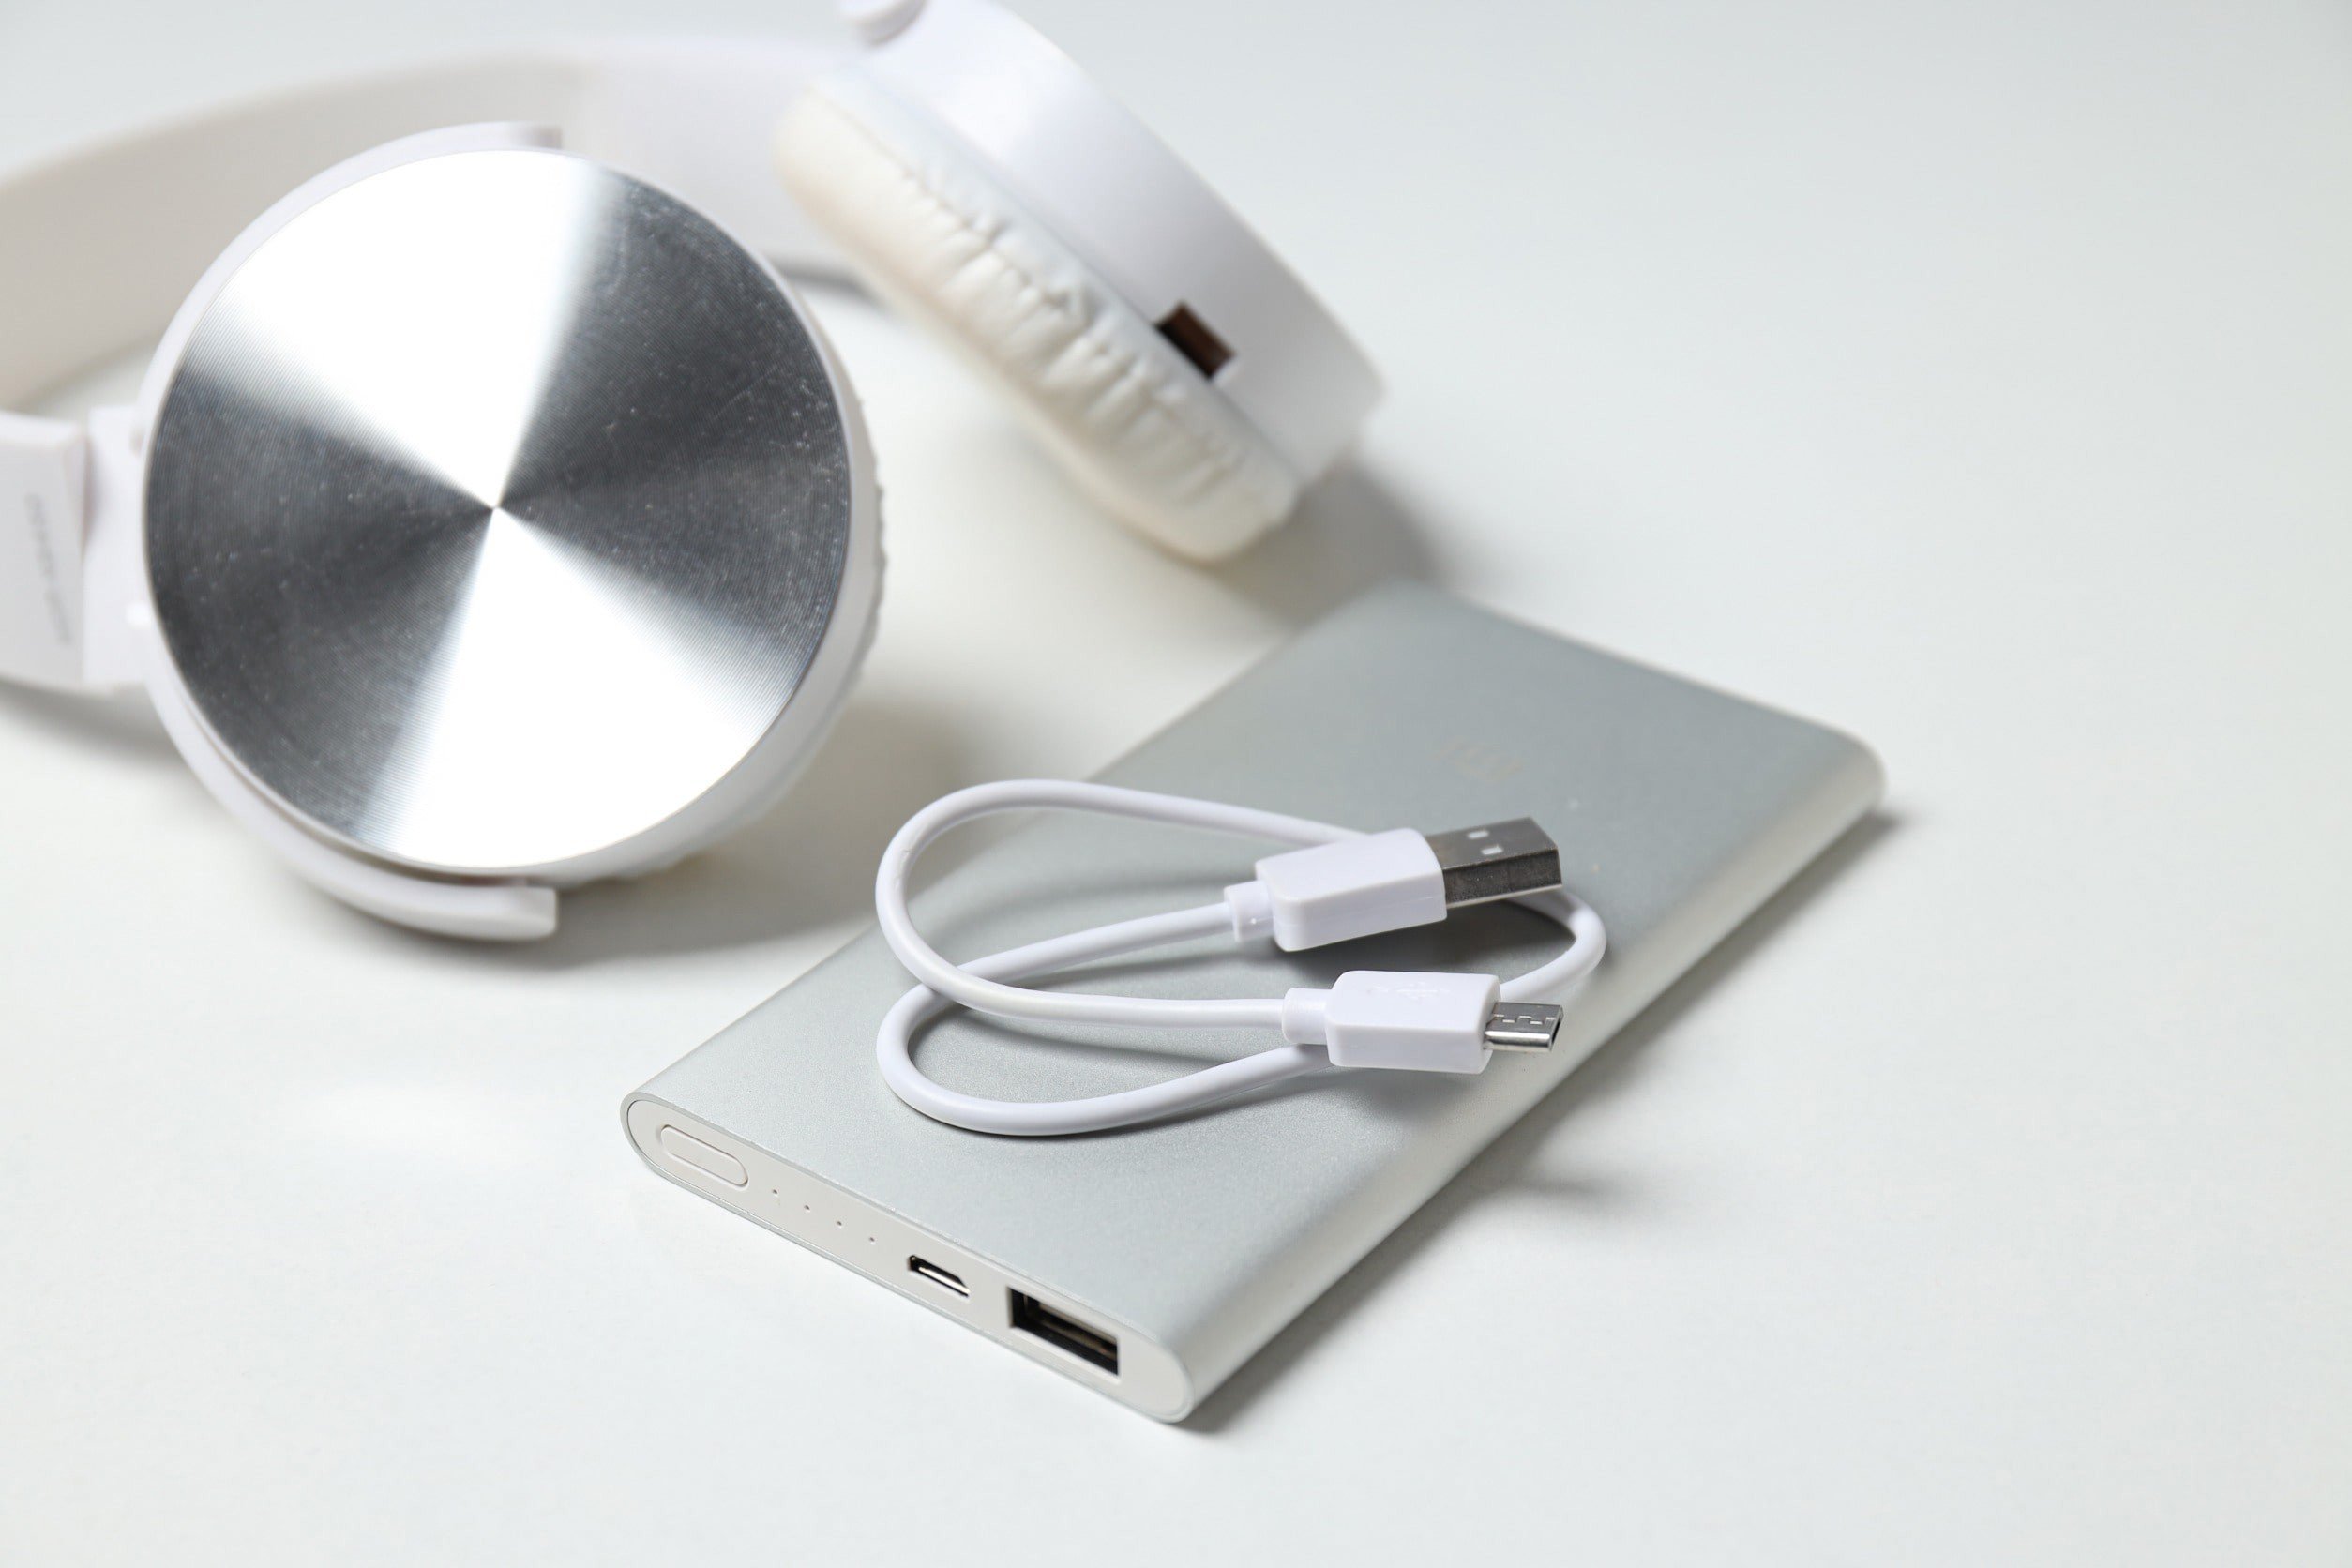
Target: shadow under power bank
x,y
1149,1263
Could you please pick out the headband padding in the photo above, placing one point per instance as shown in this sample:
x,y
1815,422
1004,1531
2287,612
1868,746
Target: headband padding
x,y
1131,417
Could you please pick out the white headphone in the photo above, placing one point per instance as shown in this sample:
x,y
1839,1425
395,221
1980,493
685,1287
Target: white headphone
x,y
494,518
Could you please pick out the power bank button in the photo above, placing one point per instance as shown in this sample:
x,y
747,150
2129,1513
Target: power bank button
x,y
686,1149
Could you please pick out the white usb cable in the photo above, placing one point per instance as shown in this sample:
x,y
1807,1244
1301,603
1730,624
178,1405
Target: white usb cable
x,y
1340,885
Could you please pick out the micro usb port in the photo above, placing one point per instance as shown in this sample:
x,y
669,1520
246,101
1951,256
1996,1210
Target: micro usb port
x,y
936,1275
1033,1316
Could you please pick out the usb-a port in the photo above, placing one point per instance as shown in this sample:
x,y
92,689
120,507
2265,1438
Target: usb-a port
x,y
936,1275
1033,1316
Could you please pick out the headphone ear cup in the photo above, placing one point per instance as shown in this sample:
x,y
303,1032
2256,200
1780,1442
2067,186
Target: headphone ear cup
x,y
1133,420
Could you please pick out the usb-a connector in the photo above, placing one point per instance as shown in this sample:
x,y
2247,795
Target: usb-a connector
x,y
1389,881
1501,860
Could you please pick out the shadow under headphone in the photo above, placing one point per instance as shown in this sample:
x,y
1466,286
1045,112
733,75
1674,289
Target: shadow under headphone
x,y
491,519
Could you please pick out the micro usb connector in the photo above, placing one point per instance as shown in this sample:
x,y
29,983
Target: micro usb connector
x,y
1523,1026
1428,1023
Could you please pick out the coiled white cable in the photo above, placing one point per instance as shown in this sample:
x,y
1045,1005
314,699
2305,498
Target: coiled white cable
x,y
1344,883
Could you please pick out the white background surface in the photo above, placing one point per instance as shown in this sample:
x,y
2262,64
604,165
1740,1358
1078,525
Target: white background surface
x,y
1977,377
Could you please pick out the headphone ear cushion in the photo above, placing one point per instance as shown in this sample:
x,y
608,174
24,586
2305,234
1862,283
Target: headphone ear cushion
x,y
1133,420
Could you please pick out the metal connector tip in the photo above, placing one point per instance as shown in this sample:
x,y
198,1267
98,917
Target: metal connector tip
x,y
1523,1026
1500,860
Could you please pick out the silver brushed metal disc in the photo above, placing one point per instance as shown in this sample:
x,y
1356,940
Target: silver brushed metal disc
x,y
495,509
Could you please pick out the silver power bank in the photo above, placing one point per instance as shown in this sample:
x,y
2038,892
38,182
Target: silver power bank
x,y
1150,1264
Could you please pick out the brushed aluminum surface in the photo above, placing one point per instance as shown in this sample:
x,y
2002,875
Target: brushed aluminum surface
x,y
1678,810
495,510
